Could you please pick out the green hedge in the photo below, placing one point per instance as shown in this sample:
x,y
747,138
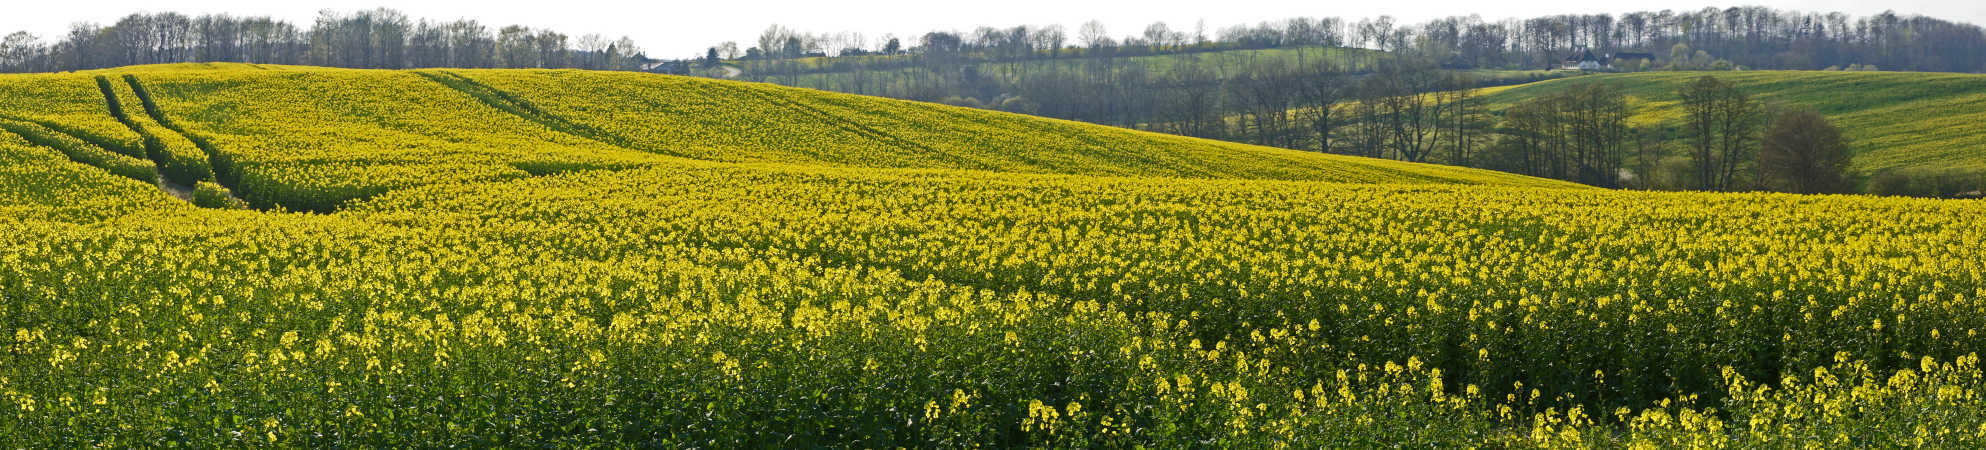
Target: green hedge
x,y
1926,182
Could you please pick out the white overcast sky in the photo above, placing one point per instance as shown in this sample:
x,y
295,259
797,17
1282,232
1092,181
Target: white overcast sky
x,y
678,29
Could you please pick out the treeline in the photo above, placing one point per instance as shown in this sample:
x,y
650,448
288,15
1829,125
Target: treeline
x,y
1752,36
377,39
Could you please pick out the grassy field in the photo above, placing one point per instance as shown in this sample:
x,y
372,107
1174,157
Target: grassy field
x,y
1892,120
559,258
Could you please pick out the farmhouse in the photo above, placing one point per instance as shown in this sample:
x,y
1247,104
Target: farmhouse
x,y
1583,60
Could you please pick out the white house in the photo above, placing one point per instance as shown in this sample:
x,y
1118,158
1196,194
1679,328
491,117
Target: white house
x,y
1584,60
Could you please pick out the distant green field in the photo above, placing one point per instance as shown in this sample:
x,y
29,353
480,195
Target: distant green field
x,y
1892,120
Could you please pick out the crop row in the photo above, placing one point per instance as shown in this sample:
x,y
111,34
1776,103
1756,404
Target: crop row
x,y
177,157
39,183
315,140
82,151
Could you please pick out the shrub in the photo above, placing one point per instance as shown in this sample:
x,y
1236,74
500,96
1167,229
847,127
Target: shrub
x,y
1804,153
1926,182
210,195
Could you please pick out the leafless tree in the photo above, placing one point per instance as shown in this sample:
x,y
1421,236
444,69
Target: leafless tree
x,y
1094,35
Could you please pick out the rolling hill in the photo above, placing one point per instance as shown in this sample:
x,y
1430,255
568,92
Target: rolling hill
x,y
313,139
1893,120
574,259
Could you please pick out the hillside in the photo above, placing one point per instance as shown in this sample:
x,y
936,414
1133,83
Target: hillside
x,y
312,138
1893,120
575,259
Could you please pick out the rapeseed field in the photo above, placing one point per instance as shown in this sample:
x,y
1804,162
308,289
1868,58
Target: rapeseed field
x,y
560,258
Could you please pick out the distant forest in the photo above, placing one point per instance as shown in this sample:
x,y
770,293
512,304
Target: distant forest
x,y
375,39
1755,37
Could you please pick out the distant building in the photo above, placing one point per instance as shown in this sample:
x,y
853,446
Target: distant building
x,y
667,66
1583,60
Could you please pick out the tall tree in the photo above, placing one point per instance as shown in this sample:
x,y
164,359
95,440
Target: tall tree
x,y
1094,35
1320,96
1721,123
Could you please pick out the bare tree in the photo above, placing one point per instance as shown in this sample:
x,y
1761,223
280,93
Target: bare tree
x,y
1158,35
1050,38
592,51
772,39
828,44
1320,97
1721,123
18,50
1094,35
1412,111
853,41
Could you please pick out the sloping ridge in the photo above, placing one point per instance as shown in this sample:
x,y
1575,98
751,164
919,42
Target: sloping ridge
x,y
729,121
315,139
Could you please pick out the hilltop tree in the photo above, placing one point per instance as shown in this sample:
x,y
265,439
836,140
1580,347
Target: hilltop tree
x,y
1094,35
770,40
1159,36
19,50
1804,153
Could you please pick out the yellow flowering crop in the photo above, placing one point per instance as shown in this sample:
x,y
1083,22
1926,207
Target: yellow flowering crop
x,y
491,263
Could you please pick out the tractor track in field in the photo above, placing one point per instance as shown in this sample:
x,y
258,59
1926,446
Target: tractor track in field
x,y
508,103
516,106
219,165
858,129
